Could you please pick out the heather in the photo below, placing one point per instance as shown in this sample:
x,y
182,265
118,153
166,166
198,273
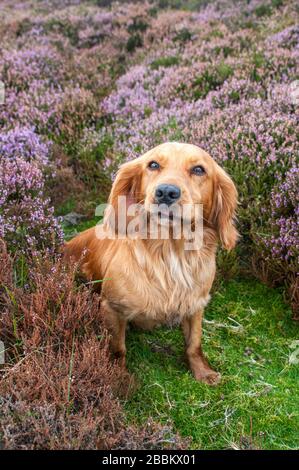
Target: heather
x,y
88,85
60,389
27,217
222,83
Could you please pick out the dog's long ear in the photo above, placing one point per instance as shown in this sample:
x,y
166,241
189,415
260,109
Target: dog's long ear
x,y
127,184
224,209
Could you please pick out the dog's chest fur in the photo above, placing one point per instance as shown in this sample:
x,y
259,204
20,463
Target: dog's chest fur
x,y
163,285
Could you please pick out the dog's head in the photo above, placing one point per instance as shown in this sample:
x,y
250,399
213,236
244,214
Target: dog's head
x,y
173,175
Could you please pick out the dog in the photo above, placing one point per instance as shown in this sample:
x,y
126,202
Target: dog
x,y
155,281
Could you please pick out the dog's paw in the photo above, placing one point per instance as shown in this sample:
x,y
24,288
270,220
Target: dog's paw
x,y
120,358
208,377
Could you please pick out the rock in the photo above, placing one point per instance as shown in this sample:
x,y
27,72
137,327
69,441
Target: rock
x,y
73,218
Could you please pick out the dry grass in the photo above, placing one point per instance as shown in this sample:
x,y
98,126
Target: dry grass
x,y
59,387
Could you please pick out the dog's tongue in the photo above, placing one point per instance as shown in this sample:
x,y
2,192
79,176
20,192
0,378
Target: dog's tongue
x,y
130,200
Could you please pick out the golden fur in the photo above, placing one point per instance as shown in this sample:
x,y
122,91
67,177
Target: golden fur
x,y
153,282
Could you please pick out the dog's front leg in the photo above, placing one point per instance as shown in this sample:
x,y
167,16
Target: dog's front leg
x,y
116,325
192,328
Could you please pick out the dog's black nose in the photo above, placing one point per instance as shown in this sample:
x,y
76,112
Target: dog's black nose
x,y
167,194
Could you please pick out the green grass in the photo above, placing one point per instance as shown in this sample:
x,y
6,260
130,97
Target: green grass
x,y
248,335
164,62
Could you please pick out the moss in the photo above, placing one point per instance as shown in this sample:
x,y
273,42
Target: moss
x,y
183,35
133,42
211,80
263,10
138,24
63,27
247,337
164,62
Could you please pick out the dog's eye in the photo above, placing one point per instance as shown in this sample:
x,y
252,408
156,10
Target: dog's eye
x,y
154,165
198,170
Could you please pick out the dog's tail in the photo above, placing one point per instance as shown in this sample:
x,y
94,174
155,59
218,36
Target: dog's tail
x,y
77,249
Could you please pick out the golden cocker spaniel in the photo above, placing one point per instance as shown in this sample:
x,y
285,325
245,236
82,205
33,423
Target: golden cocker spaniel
x,y
153,280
